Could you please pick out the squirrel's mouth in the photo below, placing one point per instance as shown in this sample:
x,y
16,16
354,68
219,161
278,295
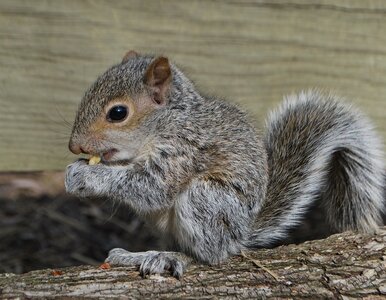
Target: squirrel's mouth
x,y
109,158
108,155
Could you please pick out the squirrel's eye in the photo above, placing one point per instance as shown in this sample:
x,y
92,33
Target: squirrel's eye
x,y
117,113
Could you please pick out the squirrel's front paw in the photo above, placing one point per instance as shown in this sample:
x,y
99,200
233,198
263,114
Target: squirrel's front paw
x,y
74,181
150,262
78,179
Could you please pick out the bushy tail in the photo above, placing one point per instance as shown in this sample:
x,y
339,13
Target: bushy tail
x,y
319,148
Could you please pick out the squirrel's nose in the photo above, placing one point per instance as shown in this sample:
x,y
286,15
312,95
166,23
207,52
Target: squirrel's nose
x,y
76,149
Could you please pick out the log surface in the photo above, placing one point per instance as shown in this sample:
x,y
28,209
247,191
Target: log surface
x,y
250,52
339,267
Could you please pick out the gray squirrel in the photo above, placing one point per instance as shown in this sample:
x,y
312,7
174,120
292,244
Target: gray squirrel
x,y
196,168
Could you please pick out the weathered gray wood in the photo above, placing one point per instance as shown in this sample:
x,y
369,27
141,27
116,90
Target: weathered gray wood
x,y
344,265
251,52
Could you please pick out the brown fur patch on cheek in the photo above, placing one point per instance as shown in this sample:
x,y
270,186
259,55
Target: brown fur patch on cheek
x,y
98,128
141,107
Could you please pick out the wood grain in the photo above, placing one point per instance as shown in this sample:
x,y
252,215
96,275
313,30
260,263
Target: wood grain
x,y
250,52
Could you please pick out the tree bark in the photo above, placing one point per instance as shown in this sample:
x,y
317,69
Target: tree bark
x,y
340,267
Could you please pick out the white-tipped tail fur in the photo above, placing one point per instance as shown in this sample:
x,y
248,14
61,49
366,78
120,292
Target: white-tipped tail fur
x,y
320,148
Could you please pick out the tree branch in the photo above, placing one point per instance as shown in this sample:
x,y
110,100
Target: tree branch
x,y
345,264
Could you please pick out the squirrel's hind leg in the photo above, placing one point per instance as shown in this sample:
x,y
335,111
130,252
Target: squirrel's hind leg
x,y
211,222
150,262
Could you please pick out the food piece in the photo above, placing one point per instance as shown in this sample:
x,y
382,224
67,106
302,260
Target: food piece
x,y
94,160
56,273
105,266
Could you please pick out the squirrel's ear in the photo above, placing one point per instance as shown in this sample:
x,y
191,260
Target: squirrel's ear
x,y
128,55
158,77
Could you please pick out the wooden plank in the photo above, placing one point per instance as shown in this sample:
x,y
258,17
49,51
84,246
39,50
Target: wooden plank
x,y
251,52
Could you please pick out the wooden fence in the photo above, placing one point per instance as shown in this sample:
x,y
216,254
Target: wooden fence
x,y
250,52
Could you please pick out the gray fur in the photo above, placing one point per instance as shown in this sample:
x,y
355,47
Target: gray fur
x,y
150,262
205,177
320,147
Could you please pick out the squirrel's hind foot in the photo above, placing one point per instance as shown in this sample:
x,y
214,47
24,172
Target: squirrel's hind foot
x,y
150,262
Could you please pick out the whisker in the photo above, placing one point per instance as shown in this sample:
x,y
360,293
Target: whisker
x,y
66,122
62,134
115,206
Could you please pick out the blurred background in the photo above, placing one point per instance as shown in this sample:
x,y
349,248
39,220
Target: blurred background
x,y
249,52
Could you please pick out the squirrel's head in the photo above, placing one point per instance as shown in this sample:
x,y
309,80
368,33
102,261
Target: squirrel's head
x,y
114,118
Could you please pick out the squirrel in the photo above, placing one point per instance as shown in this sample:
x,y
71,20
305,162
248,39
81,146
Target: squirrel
x,y
198,170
